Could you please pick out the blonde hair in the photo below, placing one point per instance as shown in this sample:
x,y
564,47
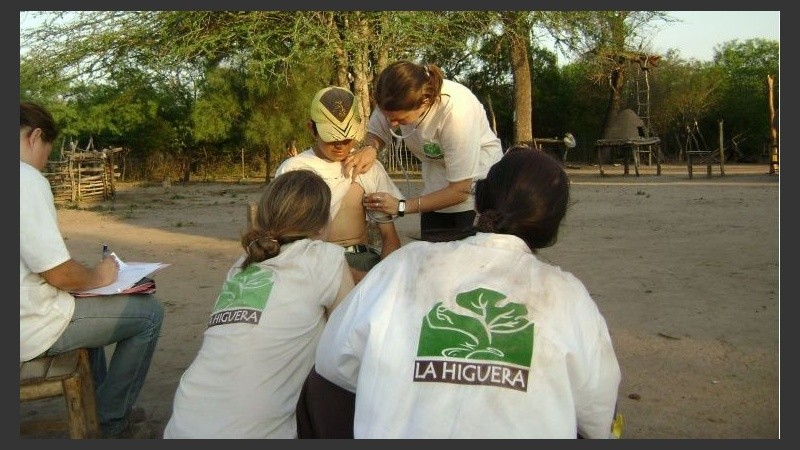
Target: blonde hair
x,y
293,206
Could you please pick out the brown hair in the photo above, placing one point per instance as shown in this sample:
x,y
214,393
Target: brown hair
x,y
293,206
526,194
33,116
404,86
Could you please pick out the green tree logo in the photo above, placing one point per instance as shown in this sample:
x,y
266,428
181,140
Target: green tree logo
x,y
493,331
249,288
432,150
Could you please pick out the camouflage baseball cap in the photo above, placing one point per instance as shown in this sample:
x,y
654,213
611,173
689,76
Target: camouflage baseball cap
x,y
335,112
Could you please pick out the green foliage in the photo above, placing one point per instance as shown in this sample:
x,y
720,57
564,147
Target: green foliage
x,y
743,103
218,110
549,94
191,92
36,85
237,109
584,107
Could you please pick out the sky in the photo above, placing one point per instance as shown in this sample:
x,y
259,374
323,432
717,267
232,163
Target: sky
x,y
700,31
695,34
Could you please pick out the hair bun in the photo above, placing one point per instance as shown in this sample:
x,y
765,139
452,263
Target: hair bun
x,y
488,221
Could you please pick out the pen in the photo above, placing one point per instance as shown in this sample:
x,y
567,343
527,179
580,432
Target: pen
x,y
105,250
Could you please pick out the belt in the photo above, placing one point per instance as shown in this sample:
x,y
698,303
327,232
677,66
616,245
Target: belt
x,y
358,248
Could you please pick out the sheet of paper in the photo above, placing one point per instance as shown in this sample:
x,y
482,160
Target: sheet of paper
x,y
129,274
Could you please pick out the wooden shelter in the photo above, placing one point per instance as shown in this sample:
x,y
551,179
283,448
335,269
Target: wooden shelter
x,y
80,175
627,132
625,129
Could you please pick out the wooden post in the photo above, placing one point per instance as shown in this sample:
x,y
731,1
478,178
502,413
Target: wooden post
x,y
721,150
111,172
599,151
106,188
73,187
243,177
773,154
80,179
252,210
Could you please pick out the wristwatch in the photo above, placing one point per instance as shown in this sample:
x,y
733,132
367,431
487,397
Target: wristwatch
x,y
401,208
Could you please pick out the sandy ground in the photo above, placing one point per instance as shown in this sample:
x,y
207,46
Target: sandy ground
x,y
684,271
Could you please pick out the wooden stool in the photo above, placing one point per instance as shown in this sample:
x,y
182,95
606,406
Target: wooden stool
x,y
68,375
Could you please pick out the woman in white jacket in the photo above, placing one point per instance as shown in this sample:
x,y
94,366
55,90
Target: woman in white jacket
x,y
477,337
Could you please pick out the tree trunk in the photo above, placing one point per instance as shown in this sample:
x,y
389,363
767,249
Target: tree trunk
x,y
617,81
337,23
618,35
492,117
352,66
773,128
186,167
362,78
517,33
267,164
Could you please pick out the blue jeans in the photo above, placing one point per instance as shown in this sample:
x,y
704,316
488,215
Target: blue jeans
x,y
133,323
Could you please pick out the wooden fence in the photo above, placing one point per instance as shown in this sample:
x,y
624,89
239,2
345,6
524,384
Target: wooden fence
x,y
80,175
397,160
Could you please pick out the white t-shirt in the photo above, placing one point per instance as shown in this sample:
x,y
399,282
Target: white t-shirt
x,y
374,180
472,339
44,310
259,346
454,141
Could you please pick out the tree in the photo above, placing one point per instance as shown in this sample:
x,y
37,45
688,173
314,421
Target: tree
x,y
585,105
743,102
687,91
517,30
610,41
267,44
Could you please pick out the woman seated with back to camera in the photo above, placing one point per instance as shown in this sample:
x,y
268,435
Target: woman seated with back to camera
x,y
476,337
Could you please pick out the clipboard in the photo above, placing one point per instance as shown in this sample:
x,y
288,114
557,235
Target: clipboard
x,y
133,278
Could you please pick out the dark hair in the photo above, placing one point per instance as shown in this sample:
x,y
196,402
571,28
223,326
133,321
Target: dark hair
x,y
293,206
526,194
403,86
33,116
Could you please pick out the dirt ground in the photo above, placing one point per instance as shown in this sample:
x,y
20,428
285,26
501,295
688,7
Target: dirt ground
x,y
684,271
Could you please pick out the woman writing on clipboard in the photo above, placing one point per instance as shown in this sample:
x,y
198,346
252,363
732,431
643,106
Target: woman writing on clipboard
x,y
444,125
